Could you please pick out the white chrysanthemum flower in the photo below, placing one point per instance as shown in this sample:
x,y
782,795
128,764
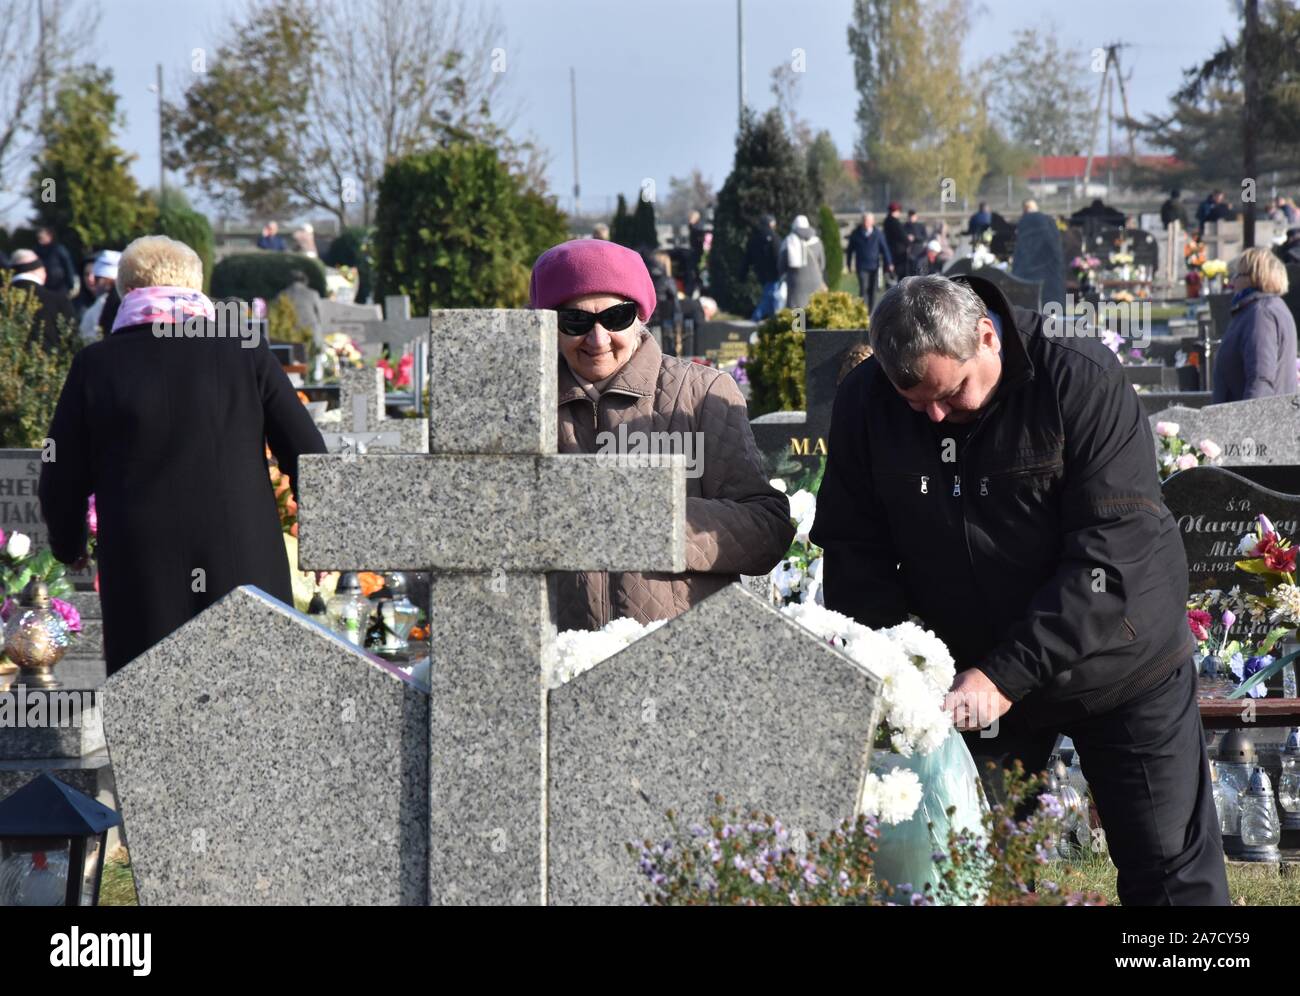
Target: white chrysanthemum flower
x,y
802,504
893,797
928,652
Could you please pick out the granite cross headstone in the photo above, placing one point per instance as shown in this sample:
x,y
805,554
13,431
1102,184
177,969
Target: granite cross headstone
x,y
360,424
491,510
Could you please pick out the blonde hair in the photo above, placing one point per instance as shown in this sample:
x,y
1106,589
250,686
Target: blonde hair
x,y
1264,270
157,261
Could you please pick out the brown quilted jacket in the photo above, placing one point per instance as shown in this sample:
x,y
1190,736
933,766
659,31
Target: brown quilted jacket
x,y
736,523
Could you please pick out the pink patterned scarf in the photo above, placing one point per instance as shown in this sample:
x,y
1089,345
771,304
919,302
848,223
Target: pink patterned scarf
x,y
147,305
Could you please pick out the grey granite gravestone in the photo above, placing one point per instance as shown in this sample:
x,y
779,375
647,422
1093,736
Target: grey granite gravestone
x,y
723,341
795,442
20,508
350,319
1038,256
730,698
262,759
360,423
1154,402
1260,431
490,510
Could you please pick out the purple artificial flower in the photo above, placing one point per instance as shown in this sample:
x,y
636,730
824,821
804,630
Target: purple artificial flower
x,y
6,609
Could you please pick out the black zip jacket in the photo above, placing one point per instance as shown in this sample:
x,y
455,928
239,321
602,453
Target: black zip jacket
x,y
1041,553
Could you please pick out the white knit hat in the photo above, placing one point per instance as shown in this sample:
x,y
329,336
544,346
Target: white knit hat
x,y
105,264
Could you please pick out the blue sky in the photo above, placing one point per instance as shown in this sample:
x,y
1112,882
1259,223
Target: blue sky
x,y
657,78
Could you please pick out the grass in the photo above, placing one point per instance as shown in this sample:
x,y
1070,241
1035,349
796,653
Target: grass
x,y
118,885
1248,885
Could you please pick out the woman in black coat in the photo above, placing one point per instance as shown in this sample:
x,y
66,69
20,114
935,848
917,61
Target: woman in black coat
x,y
169,433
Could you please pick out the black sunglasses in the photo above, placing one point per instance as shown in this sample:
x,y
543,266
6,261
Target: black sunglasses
x,y
574,322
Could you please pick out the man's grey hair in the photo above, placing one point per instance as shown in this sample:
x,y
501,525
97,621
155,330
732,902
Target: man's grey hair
x,y
921,316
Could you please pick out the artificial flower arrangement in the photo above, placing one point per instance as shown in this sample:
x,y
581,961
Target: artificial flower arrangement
x,y
1084,267
982,255
1264,553
1121,259
340,351
18,566
1173,453
1214,269
397,378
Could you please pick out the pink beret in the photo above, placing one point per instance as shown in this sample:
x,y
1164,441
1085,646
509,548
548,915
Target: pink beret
x,y
591,266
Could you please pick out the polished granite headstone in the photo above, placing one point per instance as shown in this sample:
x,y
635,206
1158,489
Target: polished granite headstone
x,y
794,443
730,698
1259,431
1213,508
1021,293
261,759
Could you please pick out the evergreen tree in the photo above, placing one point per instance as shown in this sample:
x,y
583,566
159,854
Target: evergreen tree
x,y
644,233
768,176
620,228
829,231
82,185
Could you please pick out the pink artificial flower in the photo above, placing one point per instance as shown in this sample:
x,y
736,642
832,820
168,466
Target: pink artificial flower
x,y
1186,462
69,613
92,518
1199,621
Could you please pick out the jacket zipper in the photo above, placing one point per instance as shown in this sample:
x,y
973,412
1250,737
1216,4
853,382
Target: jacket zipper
x,y
604,575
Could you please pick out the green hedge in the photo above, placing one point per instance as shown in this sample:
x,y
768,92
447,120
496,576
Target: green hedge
x,y
264,274
454,228
192,228
776,365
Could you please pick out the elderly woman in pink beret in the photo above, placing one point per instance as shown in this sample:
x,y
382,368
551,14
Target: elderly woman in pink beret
x,y
615,387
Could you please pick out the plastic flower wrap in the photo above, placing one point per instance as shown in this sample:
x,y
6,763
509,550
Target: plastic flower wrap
x,y
798,577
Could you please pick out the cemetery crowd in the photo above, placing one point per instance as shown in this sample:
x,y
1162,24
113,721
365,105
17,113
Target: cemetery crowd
x,y
971,455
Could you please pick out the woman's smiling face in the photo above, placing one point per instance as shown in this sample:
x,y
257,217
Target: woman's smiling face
x,y
600,353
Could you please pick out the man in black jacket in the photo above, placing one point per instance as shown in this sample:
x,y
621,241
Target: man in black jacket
x,y
762,255
866,251
998,480
29,277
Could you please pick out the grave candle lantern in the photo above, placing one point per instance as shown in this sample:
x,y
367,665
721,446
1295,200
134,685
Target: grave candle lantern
x,y
52,841
397,614
1288,784
36,636
348,610
1236,762
1260,828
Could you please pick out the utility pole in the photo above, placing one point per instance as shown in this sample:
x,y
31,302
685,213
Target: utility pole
x,y
162,168
40,55
740,59
1250,81
573,105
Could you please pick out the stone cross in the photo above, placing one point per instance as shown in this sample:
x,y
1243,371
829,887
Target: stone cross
x,y
491,510
361,399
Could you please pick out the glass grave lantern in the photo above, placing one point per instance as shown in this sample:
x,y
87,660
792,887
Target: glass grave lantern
x,y
1236,764
52,842
397,614
348,611
1260,828
36,637
1288,783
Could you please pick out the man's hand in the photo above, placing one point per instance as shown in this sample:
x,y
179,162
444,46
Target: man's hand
x,y
974,702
